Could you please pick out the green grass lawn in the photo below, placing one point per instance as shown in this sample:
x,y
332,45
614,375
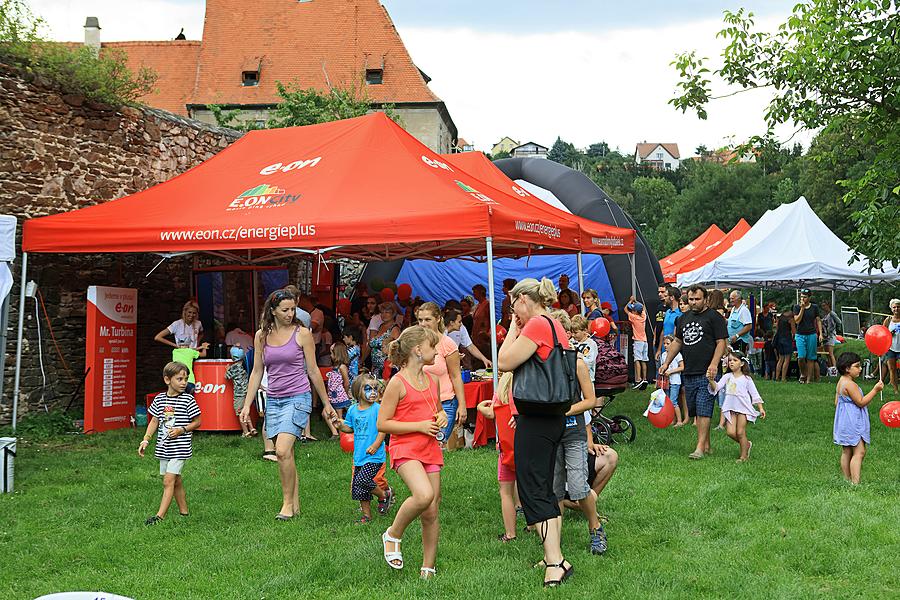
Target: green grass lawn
x,y
784,525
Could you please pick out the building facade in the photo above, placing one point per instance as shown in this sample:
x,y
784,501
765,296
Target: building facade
x,y
247,48
662,156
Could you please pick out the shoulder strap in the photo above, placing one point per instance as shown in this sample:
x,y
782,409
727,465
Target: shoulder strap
x,y
552,330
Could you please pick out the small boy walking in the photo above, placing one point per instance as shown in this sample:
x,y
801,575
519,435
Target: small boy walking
x,y
174,415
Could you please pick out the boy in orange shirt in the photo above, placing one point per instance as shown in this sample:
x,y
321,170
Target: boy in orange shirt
x,y
638,318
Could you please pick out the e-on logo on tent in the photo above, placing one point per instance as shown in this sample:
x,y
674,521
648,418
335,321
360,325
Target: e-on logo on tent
x,y
262,196
474,193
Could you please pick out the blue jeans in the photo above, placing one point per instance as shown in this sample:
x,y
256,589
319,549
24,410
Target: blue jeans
x,y
450,407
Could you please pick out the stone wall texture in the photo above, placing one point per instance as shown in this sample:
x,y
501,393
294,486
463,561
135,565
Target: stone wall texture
x,y
60,152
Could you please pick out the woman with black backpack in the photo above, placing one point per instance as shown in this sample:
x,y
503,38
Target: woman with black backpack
x,y
537,349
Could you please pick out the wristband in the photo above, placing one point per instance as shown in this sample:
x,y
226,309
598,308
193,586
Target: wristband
x,y
146,438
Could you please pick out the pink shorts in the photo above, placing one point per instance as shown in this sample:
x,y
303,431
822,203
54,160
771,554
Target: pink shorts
x,y
504,473
429,468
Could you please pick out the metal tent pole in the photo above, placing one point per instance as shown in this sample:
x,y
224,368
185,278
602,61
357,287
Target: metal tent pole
x,y
489,243
580,280
4,325
633,276
19,344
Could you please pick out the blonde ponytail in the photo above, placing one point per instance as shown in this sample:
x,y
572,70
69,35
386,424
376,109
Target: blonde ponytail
x,y
541,292
504,385
400,349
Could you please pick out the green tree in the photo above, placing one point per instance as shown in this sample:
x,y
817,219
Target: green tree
x,y
298,107
830,59
105,78
598,150
560,151
499,155
653,198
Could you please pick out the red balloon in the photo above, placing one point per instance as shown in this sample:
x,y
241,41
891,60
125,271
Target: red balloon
x,y
600,327
555,305
878,339
347,442
387,294
890,414
663,418
404,291
343,307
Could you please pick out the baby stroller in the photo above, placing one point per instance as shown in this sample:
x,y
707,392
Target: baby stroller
x,y
610,378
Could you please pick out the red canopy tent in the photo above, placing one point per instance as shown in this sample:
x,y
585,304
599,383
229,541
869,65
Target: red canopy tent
x,y
360,188
712,252
700,244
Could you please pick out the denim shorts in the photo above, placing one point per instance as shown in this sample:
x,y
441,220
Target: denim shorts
x,y
696,394
288,414
674,392
450,407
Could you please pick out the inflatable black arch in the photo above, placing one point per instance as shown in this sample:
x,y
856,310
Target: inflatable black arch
x,y
584,198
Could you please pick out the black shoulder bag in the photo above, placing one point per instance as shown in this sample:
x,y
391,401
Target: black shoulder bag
x,y
547,387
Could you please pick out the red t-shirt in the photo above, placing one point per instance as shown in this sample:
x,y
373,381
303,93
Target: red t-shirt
x,y
538,331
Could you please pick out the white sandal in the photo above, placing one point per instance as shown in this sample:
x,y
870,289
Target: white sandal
x,y
427,572
391,557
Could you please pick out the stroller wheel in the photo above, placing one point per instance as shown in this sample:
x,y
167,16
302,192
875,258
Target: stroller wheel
x,y
602,432
622,430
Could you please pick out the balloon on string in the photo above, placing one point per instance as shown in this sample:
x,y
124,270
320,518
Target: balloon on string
x,y
890,414
343,307
878,339
347,442
404,292
600,327
501,333
387,294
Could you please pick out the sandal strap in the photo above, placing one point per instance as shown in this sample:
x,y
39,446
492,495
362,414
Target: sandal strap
x,y
431,570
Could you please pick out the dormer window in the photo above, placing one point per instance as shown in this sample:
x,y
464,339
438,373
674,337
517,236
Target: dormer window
x,y
249,78
374,76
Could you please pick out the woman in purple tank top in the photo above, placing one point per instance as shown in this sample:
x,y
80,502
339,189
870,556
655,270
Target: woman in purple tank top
x,y
285,350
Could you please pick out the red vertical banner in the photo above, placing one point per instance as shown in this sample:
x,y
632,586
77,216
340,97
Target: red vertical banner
x,y
110,355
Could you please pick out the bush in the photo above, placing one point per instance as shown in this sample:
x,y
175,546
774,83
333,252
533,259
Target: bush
x,y
106,78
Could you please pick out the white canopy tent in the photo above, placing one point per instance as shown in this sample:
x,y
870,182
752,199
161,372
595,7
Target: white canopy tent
x,y
790,247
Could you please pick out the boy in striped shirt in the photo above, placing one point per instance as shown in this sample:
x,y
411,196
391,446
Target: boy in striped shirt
x,y
175,414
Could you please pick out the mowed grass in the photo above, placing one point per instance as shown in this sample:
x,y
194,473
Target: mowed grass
x,y
784,525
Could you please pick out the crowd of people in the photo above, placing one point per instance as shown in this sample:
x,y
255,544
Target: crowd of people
x,y
393,379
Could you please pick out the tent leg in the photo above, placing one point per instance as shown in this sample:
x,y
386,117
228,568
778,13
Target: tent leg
x,y
633,276
580,281
489,243
16,380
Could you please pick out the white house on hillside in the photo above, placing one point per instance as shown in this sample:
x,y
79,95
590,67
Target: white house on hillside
x,y
530,149
659,156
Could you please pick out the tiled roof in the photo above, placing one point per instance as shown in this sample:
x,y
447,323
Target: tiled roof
x,y
644,150
313,44
175,63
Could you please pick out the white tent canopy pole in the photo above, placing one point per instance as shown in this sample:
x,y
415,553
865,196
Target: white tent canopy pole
x,y
489,243
17,378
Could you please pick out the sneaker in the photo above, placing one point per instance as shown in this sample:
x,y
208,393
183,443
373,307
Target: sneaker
x,y
642,385
636,385
153,520
598,541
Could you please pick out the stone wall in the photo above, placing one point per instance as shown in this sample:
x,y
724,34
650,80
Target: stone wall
x,y
60,152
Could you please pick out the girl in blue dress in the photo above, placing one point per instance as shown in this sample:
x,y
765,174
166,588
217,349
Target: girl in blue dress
x,y
851,416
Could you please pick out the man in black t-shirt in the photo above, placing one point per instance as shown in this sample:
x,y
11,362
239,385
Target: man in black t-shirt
x,y
808,336
700,337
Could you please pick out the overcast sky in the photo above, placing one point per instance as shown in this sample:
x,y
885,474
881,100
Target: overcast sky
x,y
529,69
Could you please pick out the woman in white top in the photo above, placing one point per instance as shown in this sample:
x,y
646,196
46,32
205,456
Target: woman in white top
x,y
187,331
457,332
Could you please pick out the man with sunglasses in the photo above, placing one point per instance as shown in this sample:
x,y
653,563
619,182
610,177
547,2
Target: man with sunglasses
x,y
809,333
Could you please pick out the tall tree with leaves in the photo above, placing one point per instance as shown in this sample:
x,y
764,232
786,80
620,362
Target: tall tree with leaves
x,y
830,59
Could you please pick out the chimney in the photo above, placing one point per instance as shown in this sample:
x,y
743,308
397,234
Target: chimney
x,y
92,35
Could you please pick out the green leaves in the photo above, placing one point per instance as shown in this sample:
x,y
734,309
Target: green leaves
x,y
829,59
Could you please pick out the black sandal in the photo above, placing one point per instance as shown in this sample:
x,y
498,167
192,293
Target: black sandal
x,y
566,573
153,520
505,538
